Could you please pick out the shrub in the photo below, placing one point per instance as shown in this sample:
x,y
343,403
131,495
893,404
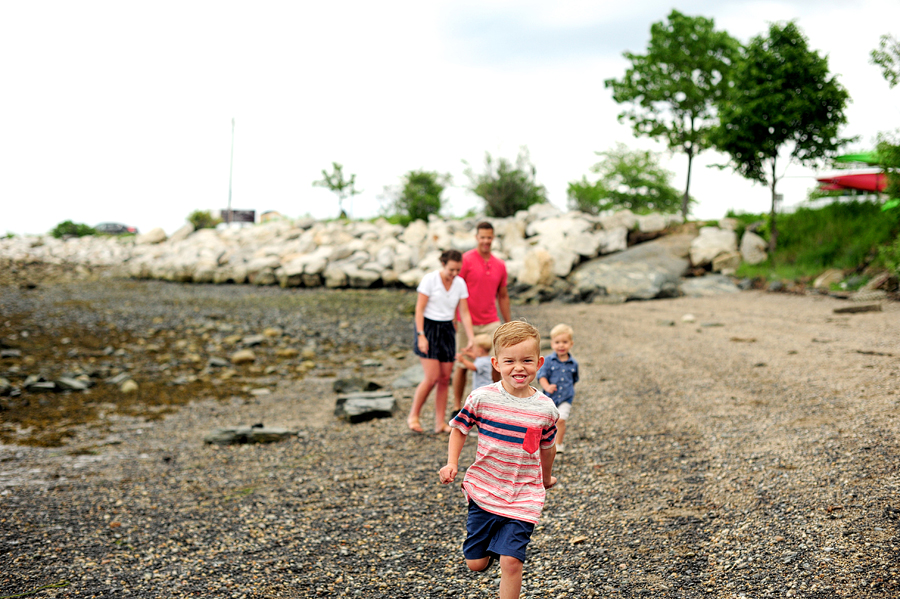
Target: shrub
x,y
69,229
889,256
419,196
203,219
631,179
506,187
586,196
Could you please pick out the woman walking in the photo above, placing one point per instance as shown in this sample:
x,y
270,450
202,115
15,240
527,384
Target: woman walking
x,y
439,295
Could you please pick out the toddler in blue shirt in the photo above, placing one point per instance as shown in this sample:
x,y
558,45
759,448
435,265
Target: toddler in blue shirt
x,y
558,376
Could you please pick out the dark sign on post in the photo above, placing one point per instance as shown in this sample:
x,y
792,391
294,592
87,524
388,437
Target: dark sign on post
x,y
239,216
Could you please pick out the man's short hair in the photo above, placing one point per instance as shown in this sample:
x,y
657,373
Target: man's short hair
x,y
484,225
562,329
513,333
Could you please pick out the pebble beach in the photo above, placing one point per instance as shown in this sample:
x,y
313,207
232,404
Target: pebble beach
x,y
744,445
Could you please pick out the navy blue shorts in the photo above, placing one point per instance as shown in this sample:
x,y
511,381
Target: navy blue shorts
x,y
490,534
441,335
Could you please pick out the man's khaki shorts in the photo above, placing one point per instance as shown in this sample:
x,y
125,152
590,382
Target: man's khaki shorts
x,y
462,339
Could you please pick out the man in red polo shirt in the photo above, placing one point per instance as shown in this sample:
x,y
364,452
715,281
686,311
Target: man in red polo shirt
x,y
485,276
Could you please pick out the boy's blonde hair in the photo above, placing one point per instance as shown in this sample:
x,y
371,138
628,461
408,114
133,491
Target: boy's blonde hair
x,y
483,341
513,333
562,329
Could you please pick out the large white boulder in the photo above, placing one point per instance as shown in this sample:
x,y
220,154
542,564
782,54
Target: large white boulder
x,y
156,235
415,233
538,268
334,276
412,277
622,218
753,248
585,243
711,242
563,260
652,223
726,263
612,240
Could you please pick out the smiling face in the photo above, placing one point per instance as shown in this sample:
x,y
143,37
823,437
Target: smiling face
x,y
518,365
484,238
450,270
561,344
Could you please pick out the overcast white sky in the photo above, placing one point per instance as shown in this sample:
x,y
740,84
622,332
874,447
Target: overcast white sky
x,y
121,111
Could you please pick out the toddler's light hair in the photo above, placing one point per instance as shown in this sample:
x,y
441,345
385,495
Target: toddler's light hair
x,y
562,329
513,333
484,342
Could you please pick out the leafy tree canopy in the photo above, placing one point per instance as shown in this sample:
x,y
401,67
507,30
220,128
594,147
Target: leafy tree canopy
x,y
783,95
887,56
419,195
506,187
783,98
631,179
335,181
889,155
674,88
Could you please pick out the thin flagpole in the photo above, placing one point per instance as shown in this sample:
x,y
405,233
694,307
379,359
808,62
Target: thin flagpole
x,y
230,172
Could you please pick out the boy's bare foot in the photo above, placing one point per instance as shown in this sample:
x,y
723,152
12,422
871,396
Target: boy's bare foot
x,y
414,425
444,429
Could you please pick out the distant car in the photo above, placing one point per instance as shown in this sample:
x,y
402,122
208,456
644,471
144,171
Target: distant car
x,y
115,229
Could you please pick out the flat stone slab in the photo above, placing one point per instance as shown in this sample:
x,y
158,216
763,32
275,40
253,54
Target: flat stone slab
x,y
411,377
708,286
365,406
646,271
234,435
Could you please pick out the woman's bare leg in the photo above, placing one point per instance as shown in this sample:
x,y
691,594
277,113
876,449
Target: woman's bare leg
x,y
445,369
431,368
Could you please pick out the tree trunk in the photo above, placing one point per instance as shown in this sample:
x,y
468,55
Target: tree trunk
x,y
687,187
773,229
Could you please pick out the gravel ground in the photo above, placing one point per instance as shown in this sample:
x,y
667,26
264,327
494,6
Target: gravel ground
x,y
752,452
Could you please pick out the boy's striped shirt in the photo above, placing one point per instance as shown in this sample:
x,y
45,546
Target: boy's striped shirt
x,y
506,477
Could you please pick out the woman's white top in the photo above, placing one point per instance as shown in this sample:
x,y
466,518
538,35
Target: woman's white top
x,y
442,302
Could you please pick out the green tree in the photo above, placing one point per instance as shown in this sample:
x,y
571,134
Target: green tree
x,y
343,188
674,88
506,187
887,56
420,195
586,196
203,219
889,158
631,179
69,229
783,98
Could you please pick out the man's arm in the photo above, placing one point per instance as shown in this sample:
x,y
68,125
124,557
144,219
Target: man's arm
x,y
503,302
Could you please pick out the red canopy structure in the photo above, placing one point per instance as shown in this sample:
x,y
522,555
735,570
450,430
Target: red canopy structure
x,y
873,182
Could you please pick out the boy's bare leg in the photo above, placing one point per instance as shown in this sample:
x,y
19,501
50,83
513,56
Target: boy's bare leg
x,y
560,430
477,565
510,577
459,387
